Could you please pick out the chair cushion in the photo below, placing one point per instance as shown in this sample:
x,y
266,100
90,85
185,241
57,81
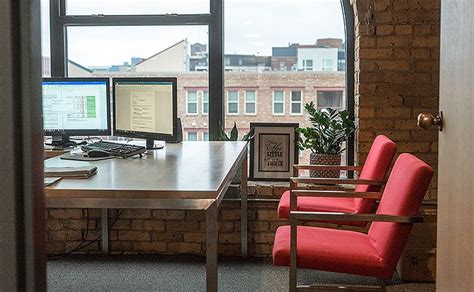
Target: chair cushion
x,y
330,250
344,205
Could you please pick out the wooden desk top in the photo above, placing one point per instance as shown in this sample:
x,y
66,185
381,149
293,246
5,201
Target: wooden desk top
x,y
191,170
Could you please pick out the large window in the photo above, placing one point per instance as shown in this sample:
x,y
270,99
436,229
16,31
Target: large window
x,y
331,98
191,103
296,102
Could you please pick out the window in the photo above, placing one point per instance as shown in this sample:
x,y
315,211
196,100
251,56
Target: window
x,y
332,99
205,136
327,65
191,103
192,136
296,102
250,102
205,102
233,102
308,65
278,102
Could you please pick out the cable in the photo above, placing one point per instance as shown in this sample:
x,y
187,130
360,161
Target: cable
x,y
81,245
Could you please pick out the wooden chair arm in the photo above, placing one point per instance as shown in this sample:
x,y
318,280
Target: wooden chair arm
x,y
328,167
337,181
327,216
336,194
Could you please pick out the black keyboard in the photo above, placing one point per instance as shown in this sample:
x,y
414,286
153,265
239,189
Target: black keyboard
x,y
115,149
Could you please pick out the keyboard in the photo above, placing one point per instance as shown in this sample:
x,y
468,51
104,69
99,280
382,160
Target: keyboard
x,y
115,149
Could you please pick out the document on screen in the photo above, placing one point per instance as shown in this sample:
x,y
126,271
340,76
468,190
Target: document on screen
x,y
142,104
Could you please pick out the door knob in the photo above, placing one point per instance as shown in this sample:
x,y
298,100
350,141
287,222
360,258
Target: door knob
x,y
426,120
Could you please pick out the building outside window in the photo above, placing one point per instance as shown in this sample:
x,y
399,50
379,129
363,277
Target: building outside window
x,y
205,136
192,136
296,102
191,103
250,102
232,102
332,99
308,65
205,102
278,102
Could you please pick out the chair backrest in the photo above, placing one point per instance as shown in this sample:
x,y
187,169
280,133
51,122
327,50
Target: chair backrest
x,y
402,196
375,167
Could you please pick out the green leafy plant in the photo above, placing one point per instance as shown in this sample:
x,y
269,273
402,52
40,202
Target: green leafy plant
x,y
234,134
330,128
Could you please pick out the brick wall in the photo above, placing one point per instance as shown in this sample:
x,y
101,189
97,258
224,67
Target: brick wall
x,y
397,74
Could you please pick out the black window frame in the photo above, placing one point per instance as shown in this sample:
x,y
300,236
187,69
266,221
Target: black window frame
x,y
59,21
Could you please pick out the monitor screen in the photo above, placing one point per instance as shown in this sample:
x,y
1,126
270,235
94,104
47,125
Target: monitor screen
x,y
76,106
145,107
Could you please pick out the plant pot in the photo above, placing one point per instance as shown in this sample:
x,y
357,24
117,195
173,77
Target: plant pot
x,y
325,159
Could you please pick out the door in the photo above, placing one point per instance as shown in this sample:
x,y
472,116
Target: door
x,y
455,266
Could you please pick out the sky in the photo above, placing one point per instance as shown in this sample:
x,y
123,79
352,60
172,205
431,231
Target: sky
x,y
251,27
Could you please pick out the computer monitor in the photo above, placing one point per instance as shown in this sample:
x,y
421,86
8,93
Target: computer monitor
x,y
75,107
145,108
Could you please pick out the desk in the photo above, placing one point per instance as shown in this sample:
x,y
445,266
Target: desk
x,y
187,176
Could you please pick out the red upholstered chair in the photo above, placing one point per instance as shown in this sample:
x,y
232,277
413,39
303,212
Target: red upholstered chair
x,y
374,254
370,180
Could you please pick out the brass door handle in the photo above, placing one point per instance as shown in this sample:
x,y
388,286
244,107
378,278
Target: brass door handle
x,y
427,120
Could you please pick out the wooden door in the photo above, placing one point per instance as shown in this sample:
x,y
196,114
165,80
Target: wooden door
x,y
455,266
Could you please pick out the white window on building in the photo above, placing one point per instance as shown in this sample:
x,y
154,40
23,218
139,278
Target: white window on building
x,y
192,136
250,102
308,65
332,99
233,102
191,103
296,102
205,136
205,102
327,65
278,107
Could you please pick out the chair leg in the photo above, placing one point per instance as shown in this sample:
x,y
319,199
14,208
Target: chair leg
x,y
293,255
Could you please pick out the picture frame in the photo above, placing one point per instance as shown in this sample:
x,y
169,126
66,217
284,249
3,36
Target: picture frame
x,y
273,151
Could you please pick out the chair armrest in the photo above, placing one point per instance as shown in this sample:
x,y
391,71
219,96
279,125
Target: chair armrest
x,y
328,167
336,194
327,216
335,181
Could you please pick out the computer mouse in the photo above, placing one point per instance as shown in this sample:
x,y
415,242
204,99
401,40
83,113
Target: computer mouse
x,y
96,153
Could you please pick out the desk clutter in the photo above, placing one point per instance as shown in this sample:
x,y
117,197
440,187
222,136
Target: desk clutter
x,y
70,172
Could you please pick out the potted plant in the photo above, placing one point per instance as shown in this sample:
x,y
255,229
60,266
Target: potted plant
x,y
234,136
329,129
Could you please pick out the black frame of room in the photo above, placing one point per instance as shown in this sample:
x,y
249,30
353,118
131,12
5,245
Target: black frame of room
x,y
59,21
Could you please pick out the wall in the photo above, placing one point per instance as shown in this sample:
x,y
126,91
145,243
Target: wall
x,y
397,74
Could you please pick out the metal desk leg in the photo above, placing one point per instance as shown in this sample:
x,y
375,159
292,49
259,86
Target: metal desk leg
x,y
105,231
243,210
211,248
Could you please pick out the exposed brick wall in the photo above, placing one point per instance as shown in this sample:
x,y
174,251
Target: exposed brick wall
x,y
397,74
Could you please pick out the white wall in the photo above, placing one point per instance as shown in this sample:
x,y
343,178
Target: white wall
x,y
174,59
317,55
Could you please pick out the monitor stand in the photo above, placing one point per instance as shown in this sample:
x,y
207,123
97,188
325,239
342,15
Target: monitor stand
x,y
150,145
62,142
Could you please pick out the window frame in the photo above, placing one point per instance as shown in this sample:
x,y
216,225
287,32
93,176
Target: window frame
x,y
238,102
283,102
196,102
293,102
254,102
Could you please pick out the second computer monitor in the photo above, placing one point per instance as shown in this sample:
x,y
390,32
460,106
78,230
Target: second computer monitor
x,y
145,108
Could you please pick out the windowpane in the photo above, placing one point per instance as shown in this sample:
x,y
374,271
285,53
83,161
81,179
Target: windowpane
x,y
233,108
192,136
278,108
278,96
250,108
233,96
205,136
205,102
192,96
296,108
192,108
332,99
250,96
296,96
123,7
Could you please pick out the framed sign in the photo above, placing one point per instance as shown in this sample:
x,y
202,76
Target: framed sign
x,y
273,151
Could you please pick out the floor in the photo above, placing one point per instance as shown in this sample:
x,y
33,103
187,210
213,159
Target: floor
x,y
187,273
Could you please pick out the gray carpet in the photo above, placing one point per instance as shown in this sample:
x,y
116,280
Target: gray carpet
x,y
187,273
